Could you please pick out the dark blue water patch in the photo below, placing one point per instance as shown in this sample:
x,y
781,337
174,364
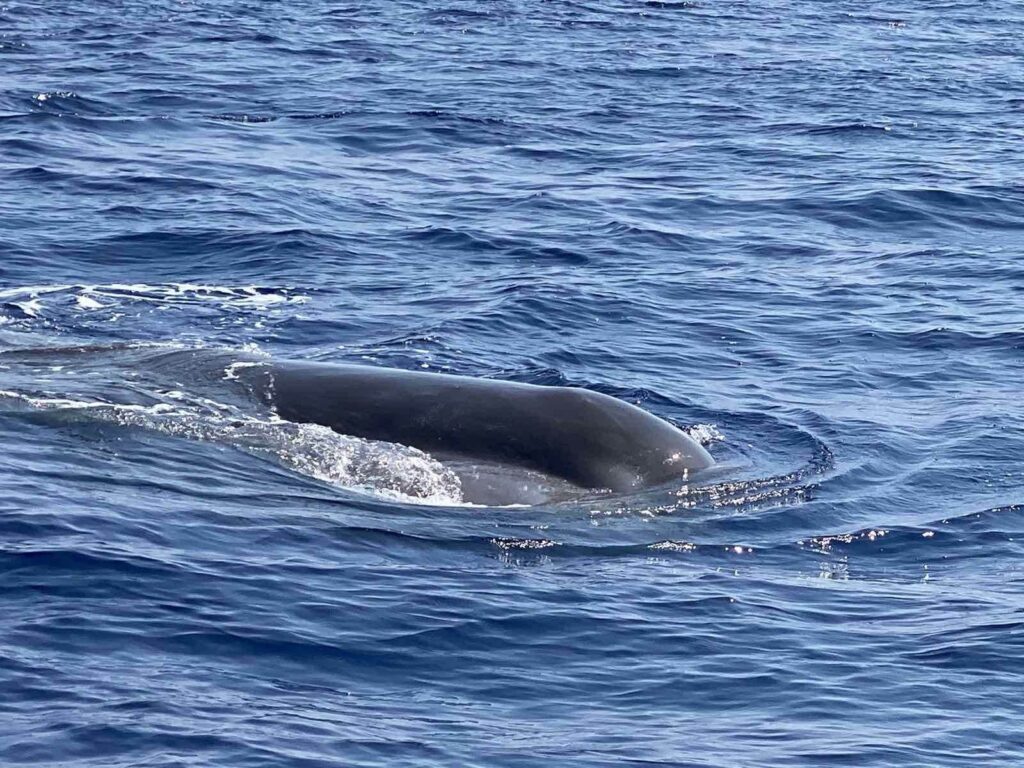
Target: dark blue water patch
x,y
837,129
180,252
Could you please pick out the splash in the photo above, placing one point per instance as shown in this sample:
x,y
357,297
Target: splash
x,y
705,434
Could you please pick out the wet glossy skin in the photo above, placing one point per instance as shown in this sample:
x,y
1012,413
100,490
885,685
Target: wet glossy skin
x,y
586,438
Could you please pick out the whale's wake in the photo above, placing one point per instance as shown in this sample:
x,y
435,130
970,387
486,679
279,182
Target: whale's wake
x,y
144,387
387,470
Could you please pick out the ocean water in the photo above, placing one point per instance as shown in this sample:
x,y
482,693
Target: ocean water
x,y
794,228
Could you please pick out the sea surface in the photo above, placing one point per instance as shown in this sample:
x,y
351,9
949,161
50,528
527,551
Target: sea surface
x,y
793,228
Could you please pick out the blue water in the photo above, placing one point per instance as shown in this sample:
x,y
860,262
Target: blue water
x,y
793,228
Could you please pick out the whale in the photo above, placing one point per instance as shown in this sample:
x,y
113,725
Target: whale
x,y
509,442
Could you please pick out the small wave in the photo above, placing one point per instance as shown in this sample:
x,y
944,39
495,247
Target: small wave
x,y
680,5
60,103
518,547
985,208
38,174
240,296
448,237
507,543
257,118
458,16
57,303
941,339
244,118
969,535
192,250
42,97
333,115
845,540
843,129
442,115
659,234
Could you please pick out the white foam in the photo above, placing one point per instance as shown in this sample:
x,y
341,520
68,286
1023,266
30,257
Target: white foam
x,y
231,371
705,434
35,300
88,302
31,307
32,291
64,403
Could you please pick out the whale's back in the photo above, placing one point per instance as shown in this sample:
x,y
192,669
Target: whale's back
x,y
583,438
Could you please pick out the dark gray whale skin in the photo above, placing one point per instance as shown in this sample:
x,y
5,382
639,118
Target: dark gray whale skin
x,y
586,438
